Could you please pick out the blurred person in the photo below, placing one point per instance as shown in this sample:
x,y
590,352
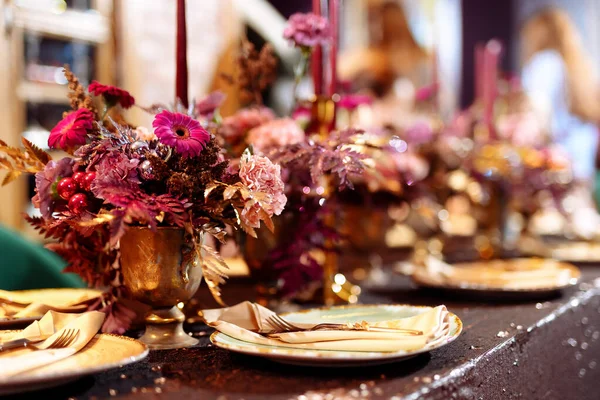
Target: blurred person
x,y
559,78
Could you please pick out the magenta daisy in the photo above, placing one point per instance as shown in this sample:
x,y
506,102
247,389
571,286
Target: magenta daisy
x,y
72,130
181,132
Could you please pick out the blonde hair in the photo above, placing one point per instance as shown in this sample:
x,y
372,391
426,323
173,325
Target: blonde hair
x,y
552,29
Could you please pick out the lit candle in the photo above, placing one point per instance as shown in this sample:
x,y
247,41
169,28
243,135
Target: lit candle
x,y
334,10
181,77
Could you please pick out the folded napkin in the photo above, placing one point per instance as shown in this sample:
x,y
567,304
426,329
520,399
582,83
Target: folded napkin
x,y
246,321
37,302
504,274
13,362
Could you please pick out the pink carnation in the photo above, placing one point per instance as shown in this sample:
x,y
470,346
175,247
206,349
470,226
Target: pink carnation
x,y
262,177
236,126
276,133
307,30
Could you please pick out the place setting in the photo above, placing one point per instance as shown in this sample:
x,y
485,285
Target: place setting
x,y
338,189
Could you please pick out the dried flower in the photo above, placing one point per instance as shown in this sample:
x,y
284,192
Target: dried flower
x,y
78,96
181,132
112,94
276,133
256,71
307,30
72,130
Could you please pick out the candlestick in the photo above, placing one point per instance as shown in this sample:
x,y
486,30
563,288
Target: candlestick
x,y
316,63
334,10
181,77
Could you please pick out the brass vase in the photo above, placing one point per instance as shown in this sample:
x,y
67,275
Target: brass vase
x,y
161,269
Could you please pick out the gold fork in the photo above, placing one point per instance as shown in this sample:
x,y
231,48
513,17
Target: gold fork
x,y
283,326
66,338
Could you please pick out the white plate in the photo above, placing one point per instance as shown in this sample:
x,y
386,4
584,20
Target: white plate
x,y
103,352
343,314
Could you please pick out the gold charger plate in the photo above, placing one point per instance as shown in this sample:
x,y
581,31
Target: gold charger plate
x,y
54,296
103,352
567,276
331,358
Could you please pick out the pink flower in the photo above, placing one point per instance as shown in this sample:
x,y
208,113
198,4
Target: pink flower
x,y
236,126
208,105
521,129
419,133
426,92
45,184
72,130
352,101
112,94
276,133
307,30
263,178
181,132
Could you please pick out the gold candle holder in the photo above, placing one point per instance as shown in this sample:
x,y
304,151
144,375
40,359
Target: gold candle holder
x,y
161,269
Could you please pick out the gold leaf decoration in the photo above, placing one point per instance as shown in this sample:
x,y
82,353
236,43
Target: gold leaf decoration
x,y
36,152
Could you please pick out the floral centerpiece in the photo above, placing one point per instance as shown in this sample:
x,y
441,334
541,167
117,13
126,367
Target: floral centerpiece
x,y
118,176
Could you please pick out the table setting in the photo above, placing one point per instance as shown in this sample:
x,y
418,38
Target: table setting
x,y
443,215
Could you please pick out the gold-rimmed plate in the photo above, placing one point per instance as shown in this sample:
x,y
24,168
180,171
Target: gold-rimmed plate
x,y
479,286
64,300
103,352
331,358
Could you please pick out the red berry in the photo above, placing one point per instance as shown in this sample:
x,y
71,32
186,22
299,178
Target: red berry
x,y
78,203
78,177
87,180
66,188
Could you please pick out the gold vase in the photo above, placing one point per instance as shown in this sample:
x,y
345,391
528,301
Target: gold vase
x,y
161,269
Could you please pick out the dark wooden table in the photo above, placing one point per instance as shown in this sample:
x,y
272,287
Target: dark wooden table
x,y
547,349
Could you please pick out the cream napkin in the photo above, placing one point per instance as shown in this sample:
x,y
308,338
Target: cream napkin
x,y
504,274
246,320
37,302
13,362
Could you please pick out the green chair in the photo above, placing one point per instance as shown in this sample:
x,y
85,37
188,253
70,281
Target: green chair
x,y
27,265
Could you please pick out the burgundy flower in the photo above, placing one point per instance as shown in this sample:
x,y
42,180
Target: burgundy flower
x,y
181,132
307,30
112,94
352,101
72,130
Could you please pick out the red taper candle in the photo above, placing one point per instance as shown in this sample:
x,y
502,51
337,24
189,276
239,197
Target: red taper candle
x,y
334,14
181,77
316,63
478,73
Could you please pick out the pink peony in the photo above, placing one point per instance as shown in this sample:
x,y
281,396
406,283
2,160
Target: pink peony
x,y
276,133
307,30
112,94
180,132
261,176
72,130
236,126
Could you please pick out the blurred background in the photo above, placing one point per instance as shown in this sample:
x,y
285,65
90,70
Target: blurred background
x,y
390,48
